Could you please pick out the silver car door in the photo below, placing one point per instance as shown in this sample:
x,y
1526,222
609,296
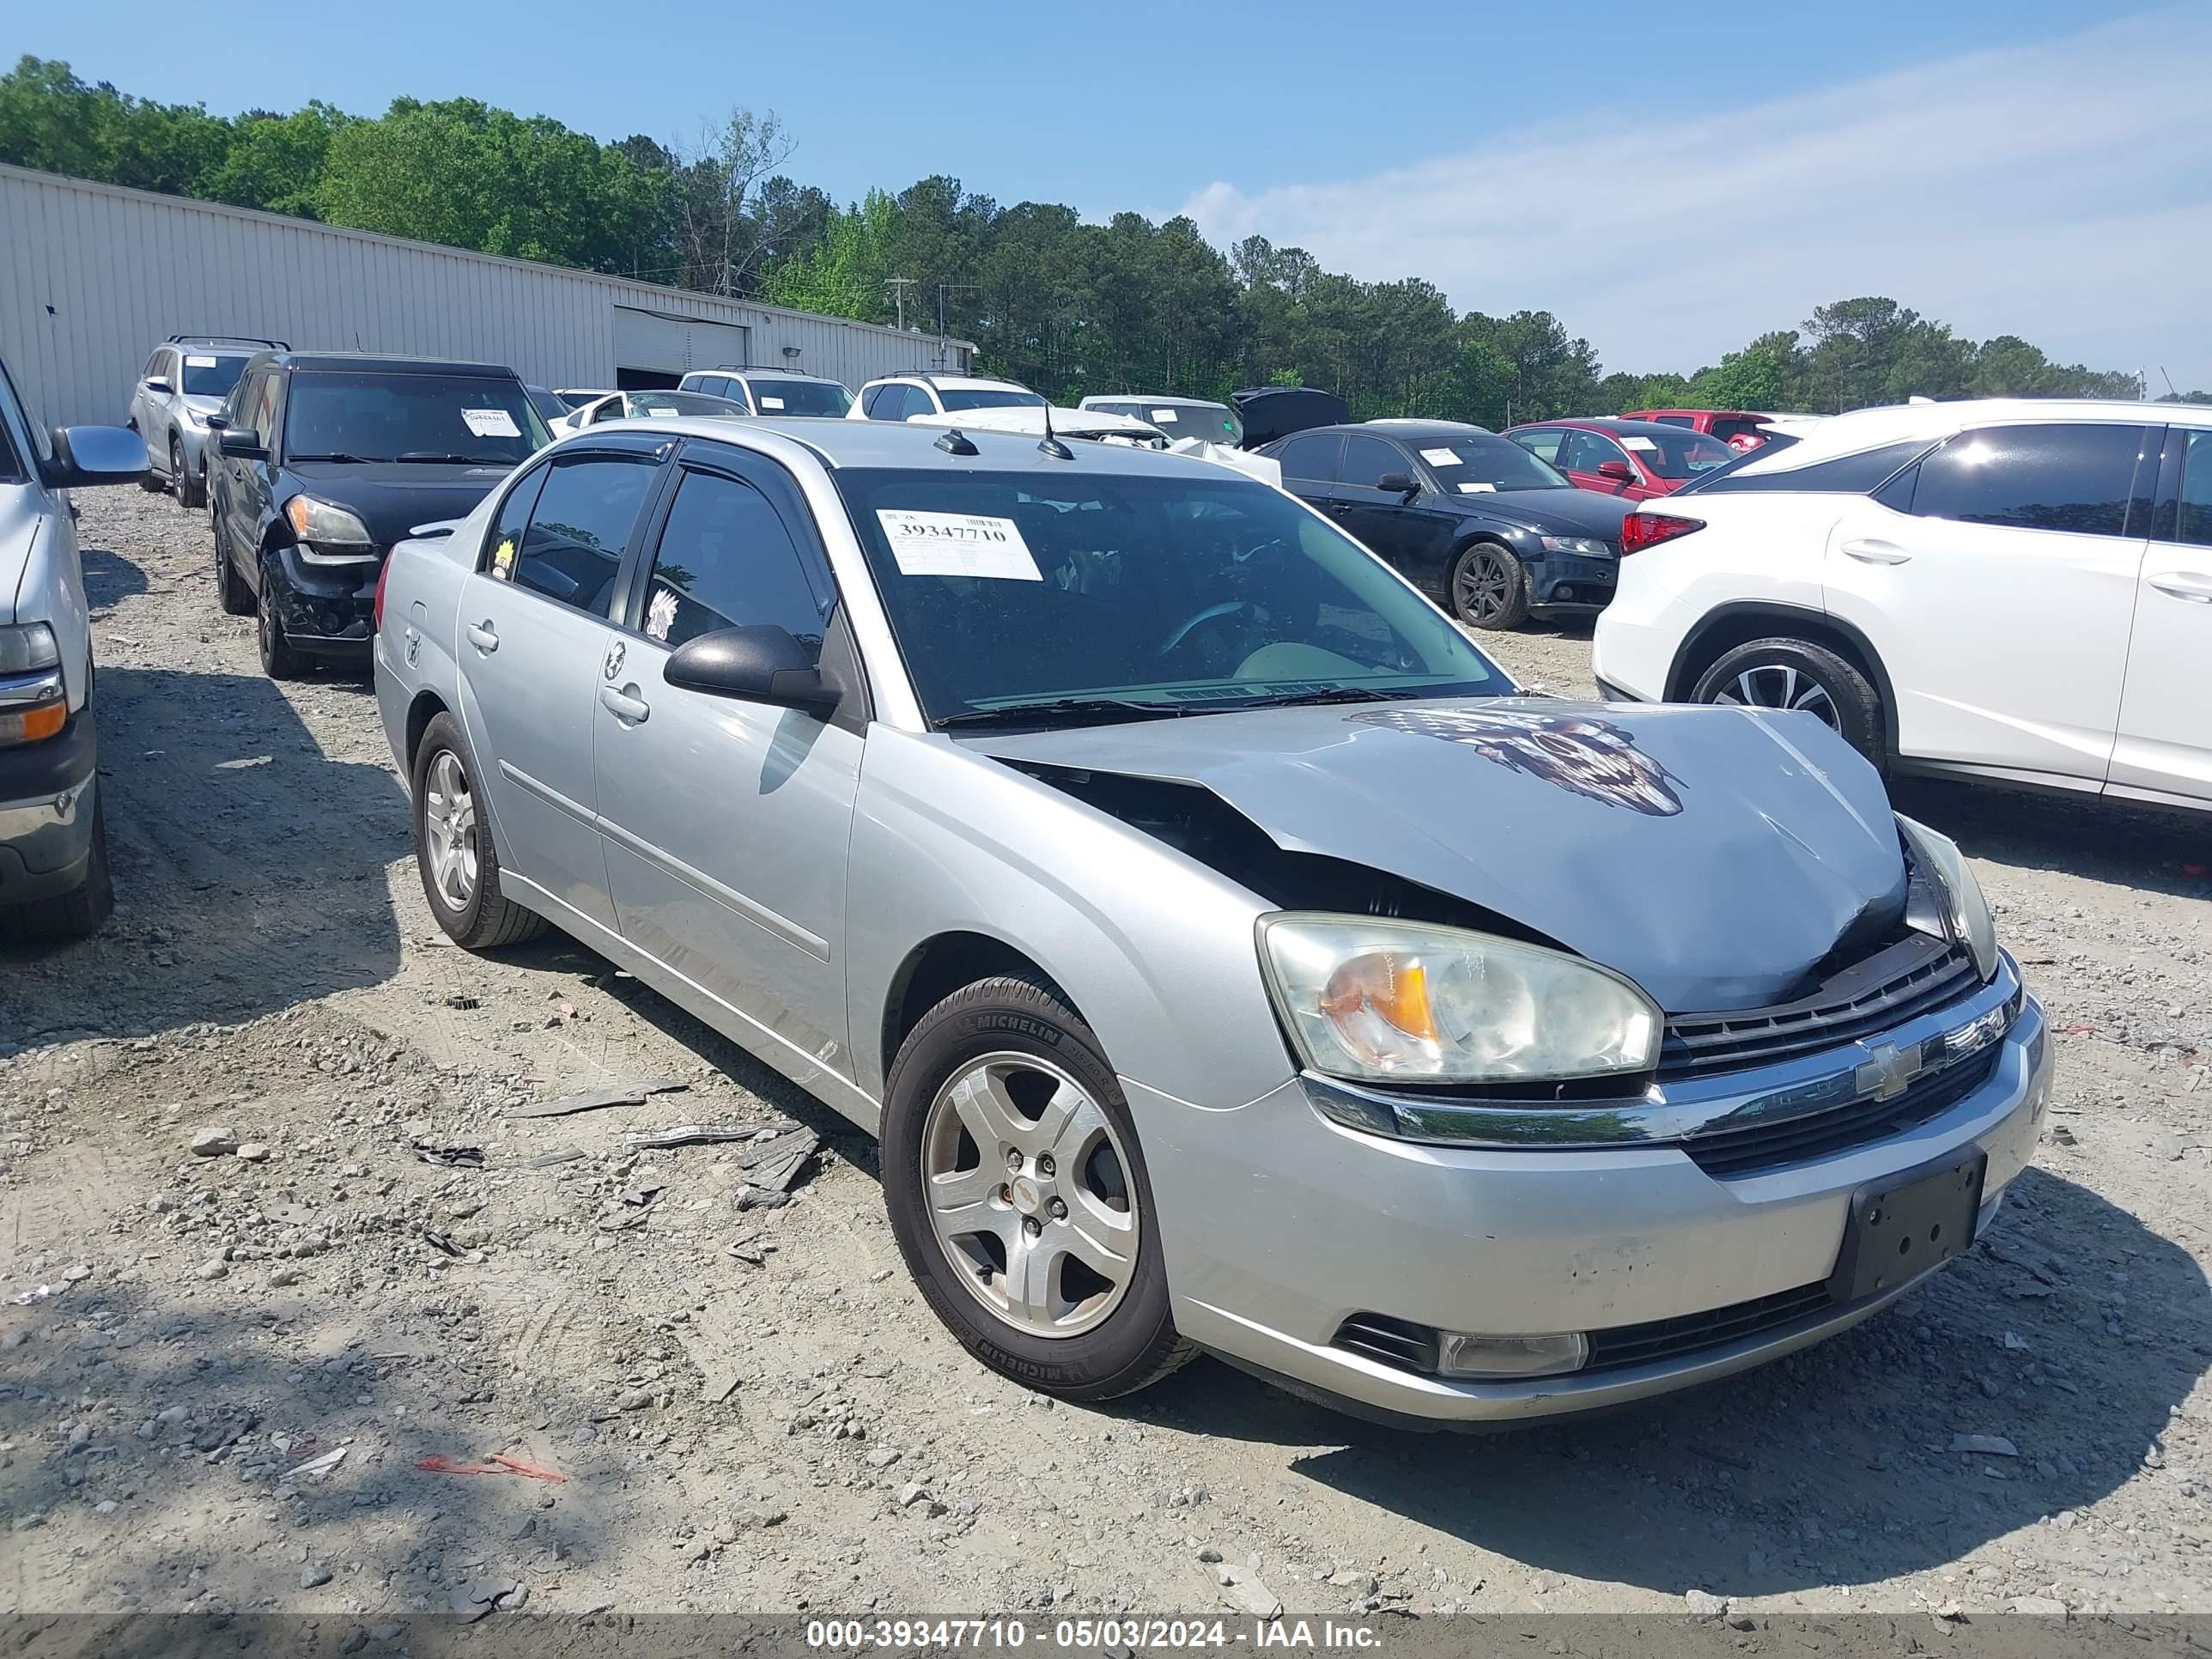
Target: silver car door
x,y
532,633
726,822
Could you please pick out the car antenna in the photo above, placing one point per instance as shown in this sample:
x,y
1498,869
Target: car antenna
x,y
956,442
1051,446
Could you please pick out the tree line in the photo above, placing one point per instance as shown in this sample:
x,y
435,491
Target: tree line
x,y
1068,308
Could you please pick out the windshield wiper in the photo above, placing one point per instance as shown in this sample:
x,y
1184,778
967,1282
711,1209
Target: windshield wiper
x,y
456,460
1066,709
339,455
1333,694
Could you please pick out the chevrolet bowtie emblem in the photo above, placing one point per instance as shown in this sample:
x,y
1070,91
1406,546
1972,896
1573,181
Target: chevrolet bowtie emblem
x,y
1887,1071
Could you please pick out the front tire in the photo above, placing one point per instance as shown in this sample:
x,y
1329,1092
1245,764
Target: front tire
x,y
80,912
280,658
453,849
148,482
1786,673
1488,587
231,590
191,488
1016,1190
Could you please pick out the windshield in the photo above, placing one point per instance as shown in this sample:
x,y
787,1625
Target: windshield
x,y
367,416
1478,465
801,398
573,400
1172,593
666,405
1672,454
996,397
1216,424
207,375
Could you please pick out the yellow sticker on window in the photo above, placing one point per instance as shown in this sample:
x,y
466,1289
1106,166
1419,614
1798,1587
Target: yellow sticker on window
x,y
503,559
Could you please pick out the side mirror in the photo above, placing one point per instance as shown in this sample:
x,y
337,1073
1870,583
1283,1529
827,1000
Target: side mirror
x,y
1401,483
245,445
89,455
215,421
159,383
1618,471
761,663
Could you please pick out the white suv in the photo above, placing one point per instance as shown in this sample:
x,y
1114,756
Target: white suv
x,y
2013,590
772,390
902,397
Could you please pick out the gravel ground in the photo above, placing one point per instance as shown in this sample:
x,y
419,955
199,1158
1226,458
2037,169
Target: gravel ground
x,y
752,1408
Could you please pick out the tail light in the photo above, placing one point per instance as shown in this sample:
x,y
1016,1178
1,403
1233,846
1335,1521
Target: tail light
x,y
376,609
1639,531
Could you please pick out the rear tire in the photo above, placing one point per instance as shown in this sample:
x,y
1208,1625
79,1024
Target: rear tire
x,y
280,660
1488,587
1021,1028
454,850
77,913
1786,673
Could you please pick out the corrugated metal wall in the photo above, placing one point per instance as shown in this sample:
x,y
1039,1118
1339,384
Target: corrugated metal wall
x,y
92,277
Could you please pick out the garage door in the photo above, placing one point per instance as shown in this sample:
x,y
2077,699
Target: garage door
x,y
647,343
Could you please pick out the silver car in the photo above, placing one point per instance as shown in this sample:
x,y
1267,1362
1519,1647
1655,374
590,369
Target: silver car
x,y
53,838
188,378
1227,954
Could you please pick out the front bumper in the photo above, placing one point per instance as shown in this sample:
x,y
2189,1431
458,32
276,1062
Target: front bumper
x,y
1331,1223
47,794
1560,583
327,610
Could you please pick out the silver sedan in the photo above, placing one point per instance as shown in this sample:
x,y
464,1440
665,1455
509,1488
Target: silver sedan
x,y
1228,955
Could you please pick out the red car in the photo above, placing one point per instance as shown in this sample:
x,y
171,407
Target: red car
x,y
1637,460
1738,428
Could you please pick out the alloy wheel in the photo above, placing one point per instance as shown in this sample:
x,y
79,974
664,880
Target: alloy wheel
x,y
1026,1188
1778,686
449,826
1483,586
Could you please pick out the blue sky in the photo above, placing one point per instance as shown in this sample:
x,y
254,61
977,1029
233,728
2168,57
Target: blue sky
x,y
1670,178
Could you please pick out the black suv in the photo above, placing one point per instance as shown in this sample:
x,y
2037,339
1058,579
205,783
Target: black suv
x,y
325,458
1474,519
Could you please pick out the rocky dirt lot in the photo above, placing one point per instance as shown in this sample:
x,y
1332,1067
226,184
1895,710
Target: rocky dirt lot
x,y
221,1375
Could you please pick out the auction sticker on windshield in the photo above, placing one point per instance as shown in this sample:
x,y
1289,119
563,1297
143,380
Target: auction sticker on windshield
x,y
1473,489
1440,458
1165,416
490,423
958,544
200,362
771,403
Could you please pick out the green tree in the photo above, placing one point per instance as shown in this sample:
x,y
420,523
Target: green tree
x,y
275,162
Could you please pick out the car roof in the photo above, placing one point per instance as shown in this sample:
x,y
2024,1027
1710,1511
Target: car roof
x,y
381,363
1166,400
1869,428
944,382
762,372
1619,425
1718,413
841,443
1399,427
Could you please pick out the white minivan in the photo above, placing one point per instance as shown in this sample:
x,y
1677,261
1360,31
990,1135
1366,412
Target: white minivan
x,y
2018,591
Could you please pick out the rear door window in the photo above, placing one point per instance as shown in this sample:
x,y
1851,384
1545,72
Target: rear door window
x,y
1368,461
1582,451
2071,478
580,525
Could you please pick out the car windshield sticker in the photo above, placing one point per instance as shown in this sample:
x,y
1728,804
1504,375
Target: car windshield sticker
x,y
199,363
1470,487
771,403
1592,758
1644,444
1165,416
660,615
503,559
958,544
1440,458
490,423
659,413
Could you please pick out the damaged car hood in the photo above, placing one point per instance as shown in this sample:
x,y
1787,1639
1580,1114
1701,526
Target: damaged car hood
x,y
1712,855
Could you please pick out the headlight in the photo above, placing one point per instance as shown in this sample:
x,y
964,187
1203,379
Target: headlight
x,y
320,522
26,647
1587,546
1969,911
1378,1001
33,703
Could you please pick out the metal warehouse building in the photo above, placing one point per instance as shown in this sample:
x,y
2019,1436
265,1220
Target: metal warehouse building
x,y
93,277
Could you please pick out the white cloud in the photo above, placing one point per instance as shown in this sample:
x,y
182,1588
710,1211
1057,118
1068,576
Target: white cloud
x,y
2061,192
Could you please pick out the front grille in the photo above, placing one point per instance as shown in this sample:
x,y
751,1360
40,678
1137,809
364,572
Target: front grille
x,y
1760,1147
1910,977
1669,1338
1398,1342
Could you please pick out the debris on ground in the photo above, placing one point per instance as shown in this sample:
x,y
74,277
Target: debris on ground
x,y
449,1157
699,1135
315,1468
438,1241
771,1166
1985,1445
592,1100
496,1463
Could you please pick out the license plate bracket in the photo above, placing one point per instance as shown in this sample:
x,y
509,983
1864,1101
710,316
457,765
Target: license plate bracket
x,y
1901,1227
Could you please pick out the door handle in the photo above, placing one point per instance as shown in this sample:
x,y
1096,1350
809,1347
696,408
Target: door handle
x,y
623,707
1870,551
1340,507
2186,585
481,637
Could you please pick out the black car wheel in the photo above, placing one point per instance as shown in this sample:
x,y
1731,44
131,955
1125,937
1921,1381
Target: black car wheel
x,y
1489,587
231,590
1018,1195
190,487
453,849
280,658
1797,674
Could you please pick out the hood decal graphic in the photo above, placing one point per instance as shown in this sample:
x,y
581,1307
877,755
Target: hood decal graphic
x,y
1592,757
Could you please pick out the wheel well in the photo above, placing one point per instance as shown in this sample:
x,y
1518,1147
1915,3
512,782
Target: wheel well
x,y
937,968
1725,630
426,708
